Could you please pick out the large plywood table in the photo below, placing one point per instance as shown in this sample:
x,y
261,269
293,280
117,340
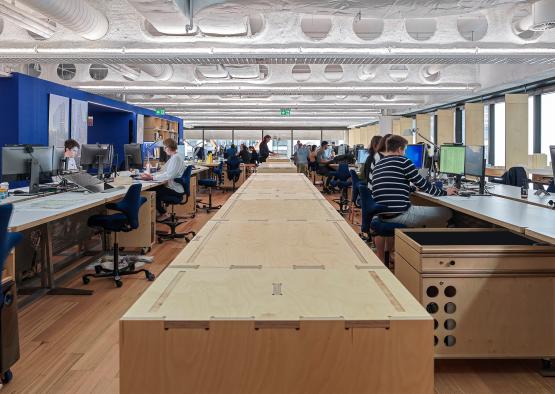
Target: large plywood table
x,y
278,159
513,193
276,296
276,168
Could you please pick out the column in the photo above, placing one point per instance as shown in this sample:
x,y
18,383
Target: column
x,y
474,124
445,126
516,130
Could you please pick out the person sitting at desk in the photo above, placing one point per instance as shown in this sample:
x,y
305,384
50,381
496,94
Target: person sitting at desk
x,y
173,168
391,180
244,154
71,150
323,160
254,155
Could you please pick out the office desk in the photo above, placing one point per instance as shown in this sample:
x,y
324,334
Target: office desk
x,y
513,193
500,211
543,231
495,171
543,176
256,297
278,159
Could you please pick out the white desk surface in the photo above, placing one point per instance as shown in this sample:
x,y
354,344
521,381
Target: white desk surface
x,y
513,193
503,212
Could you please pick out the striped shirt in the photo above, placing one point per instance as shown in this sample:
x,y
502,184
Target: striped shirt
x,y
391,183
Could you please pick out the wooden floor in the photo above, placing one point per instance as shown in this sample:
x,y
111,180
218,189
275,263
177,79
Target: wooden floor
x,y
69,344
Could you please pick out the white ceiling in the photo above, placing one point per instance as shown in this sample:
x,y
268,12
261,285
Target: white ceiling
x,y
335,63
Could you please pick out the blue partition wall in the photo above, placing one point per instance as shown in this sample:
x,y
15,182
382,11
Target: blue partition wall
x,y
24,113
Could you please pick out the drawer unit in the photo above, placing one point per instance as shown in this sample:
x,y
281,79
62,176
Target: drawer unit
x,y
490,292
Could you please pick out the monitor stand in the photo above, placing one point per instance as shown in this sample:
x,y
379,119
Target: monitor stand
x,y
458,181
100,166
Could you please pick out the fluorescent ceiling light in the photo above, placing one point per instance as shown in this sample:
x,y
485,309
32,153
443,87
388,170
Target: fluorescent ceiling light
x,y
251,105
28,22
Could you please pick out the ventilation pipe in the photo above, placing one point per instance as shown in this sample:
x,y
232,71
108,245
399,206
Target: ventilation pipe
x,y
167,16
432,73
28,22
76,15
540,18
125,71
162,72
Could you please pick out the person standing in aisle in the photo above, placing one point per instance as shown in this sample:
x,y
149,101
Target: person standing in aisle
x,y
297,146
323,161
263,150
301,157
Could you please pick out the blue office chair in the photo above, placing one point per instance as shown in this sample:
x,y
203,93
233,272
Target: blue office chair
x,y
343,182
355,200
210,183
233,170
8,306
373,225
126,220
174,220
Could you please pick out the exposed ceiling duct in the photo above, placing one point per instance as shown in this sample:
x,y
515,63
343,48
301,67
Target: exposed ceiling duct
x,y
28,22
125,71
541,17
167,16
76,15
162,72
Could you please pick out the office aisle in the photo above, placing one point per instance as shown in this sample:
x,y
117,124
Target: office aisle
x,y
69,344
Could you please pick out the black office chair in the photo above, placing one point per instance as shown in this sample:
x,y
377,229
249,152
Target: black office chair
x,y
126,220
233,170
514,176
343,182
211,183
174,220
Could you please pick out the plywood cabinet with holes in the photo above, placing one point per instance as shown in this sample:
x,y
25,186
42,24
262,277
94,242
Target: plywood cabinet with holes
x,y
264,330
159,129
228,183
489,291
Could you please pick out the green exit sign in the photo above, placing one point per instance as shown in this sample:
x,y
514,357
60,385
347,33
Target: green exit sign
x,y
285,112
160,111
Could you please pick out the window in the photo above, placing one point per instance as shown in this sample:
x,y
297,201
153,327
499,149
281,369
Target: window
x,y
432,128
337,137
280,142
486,132
247,137
547,123
307,137
191,139
499,134
217,140
98,72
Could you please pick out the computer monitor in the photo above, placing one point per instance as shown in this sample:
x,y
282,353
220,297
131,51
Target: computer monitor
x,y
552,153
27,163
133,156
451,159
96,156
416,154
474,164
362,155
59,161
341,150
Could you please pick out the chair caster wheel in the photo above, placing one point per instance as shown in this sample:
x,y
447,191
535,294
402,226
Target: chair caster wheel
x,y
160,240
145,251
150,276
7,377
98,269
86,280
119,283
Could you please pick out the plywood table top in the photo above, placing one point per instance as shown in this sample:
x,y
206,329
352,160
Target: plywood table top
x,y
278,295
278,245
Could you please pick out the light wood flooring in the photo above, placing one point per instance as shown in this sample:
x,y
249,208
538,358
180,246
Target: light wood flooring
x,y
69,344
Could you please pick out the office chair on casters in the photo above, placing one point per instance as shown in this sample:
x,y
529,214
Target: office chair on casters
x,y
211,183
355,201
381,232
9,337
343,182
173,221
126,220
233,170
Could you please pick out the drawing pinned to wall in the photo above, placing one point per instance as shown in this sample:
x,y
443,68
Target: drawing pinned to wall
x,y
58,120
79,120
140,128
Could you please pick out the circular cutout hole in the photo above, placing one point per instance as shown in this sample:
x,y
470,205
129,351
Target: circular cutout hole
x,y
450,291
450,324
436,324
316,27
301,72
398,72
333,72
432,291
521,29
450,340
421,29
366,72
450,307
435,340
368,29
33,69
472,28
66,71
98,72
432,307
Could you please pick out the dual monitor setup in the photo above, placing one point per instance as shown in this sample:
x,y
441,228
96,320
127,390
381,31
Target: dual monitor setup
x,y
37,164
